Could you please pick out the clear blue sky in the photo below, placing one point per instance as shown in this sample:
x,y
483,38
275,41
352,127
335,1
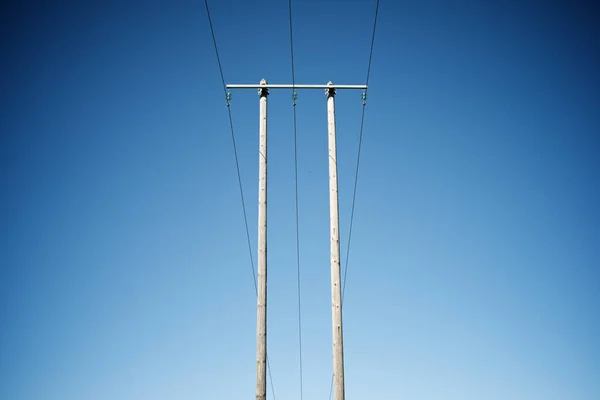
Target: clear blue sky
x,y
475,264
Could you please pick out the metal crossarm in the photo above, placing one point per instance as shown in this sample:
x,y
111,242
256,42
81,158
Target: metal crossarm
x,y
269,86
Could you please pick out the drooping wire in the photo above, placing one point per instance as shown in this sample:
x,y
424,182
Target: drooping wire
x,y
233,141
237,166
362,121
294,98
360,137
372,42
292,47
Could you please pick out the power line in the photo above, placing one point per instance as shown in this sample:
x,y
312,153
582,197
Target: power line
x,y
362,121
372,42
233,141
360,136
237,166
294,97
292,46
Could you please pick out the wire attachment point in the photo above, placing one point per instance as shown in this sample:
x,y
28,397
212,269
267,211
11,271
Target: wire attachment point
x,y
294,98
364,98
228,98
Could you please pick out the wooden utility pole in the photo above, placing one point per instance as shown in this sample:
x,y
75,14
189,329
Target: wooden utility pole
x,y
334,225
261,320
336,289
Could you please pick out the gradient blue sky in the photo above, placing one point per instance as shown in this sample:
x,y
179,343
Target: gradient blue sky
x,y
474,267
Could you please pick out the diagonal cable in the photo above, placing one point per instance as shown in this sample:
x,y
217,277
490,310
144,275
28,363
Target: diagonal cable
x,y
237,166
362,121
297,213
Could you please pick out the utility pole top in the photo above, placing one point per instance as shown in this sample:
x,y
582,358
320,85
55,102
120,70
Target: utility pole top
x,y
263,88
330,91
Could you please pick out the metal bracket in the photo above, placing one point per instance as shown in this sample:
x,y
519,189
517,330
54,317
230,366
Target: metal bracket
x,y
330,91
263,89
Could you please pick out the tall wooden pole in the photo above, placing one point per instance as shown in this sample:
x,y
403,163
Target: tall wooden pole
x,y
336,288
261,321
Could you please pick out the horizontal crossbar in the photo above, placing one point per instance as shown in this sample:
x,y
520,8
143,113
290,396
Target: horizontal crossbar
x,y
269,86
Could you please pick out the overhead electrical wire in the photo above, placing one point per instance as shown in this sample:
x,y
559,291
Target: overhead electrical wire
x,y
360,136
237,166
294,98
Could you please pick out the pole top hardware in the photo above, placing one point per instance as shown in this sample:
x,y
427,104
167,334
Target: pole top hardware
x,y
263,90
330,91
